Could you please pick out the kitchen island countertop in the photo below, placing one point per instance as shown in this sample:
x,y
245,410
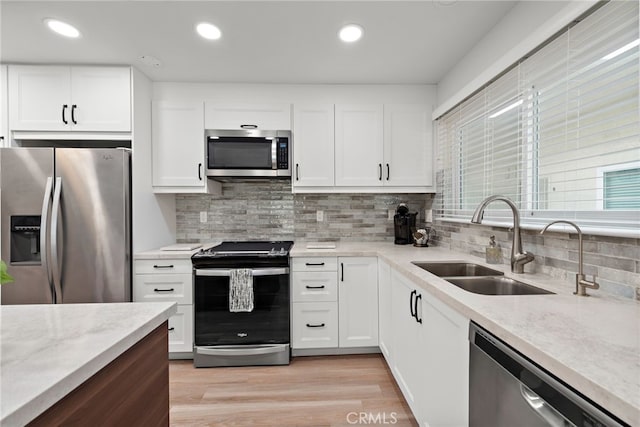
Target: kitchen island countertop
x,y
593,343
46,351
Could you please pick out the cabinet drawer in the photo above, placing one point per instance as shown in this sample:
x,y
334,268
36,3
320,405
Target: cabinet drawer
x,y
181,330
314,286
314,264
163,266
163,287
314,325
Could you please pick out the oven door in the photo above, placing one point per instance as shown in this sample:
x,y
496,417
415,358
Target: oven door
x,y
268,323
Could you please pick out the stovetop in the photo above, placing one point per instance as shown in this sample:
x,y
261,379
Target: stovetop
x,y
233,254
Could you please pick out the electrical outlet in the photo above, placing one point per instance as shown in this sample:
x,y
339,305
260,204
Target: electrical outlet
x,y
390,214
319,216
428,215
203,216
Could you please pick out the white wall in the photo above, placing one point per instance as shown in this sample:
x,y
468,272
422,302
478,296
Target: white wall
x,y
266,93
154,215
527,25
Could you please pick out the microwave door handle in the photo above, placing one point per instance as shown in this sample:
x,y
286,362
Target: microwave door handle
x,y
274,154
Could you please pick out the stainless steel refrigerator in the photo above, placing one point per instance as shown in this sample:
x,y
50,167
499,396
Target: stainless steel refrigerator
x,y
66,224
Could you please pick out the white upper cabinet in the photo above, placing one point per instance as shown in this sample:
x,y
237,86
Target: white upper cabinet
x,y
178,147
313,142
61,98
4,136
359,145
408,147
247,116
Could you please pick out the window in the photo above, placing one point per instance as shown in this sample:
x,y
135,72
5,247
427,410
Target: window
x,y
551,132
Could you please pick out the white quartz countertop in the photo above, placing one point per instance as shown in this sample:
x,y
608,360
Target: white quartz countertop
x,y
46,351
591,343
172,254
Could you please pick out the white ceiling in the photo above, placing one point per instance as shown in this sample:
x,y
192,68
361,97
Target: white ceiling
x,y
405,42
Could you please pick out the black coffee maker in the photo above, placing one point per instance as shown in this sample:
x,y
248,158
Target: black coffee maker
x,y
404,223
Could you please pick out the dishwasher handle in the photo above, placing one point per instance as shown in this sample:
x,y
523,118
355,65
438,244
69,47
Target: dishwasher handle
x,y
542,408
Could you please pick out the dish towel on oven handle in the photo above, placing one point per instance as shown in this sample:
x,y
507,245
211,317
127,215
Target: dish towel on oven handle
x,y
240,290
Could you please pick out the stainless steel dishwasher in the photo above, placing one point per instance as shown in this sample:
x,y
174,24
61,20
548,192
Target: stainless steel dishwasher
x,y
506,389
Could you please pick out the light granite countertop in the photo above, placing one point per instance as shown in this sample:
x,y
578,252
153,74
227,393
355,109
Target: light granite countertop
x,y
46,351
172,254
591,343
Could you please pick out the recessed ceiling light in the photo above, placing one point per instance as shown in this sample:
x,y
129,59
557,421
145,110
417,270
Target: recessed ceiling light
x,y
350,33
62,28
208,31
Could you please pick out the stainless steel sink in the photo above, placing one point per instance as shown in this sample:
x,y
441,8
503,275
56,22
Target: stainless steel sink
x,y
495,286
457,269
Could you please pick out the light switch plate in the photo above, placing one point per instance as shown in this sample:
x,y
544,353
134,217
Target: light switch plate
x,y
319,216
203,216
390,214
428,215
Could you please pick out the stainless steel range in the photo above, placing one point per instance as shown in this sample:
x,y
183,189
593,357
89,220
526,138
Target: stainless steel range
x,y
242,304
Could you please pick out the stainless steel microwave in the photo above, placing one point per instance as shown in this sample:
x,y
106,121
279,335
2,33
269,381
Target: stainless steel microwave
x,y
248,153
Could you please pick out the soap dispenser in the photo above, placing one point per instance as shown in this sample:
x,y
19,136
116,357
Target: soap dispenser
x,y
493,253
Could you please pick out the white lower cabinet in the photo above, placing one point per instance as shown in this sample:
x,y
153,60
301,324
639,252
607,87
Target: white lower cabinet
x,y
358,301
430,355
384,311
169,280
334,303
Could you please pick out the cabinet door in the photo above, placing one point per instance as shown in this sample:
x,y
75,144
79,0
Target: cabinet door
x,y
445,363
359,145
4,129
408,146
101,99
181,330
358,301
385,318
178,145
39,98
313,133
314,325
248,116
408,347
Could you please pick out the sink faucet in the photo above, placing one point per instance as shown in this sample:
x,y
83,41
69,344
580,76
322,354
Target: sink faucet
x,y
518,257
581,279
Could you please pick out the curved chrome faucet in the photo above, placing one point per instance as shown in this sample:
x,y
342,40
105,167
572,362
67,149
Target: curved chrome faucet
x,y
519,257
581,279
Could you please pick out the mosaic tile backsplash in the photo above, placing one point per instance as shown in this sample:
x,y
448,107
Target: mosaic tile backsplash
x,y
266,209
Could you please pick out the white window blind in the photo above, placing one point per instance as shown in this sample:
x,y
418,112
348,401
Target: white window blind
x,y
543,132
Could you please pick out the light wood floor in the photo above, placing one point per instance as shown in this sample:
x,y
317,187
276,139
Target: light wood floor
x,y
311,391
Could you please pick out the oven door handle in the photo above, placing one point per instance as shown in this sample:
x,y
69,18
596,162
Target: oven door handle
x,y
240,350
220,272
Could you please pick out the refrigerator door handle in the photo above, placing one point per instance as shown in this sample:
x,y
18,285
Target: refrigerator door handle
x,y
44,233
55,264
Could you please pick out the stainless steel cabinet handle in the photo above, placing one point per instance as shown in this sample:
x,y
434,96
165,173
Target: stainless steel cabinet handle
x,y
163,290
55,264
220,272
163,266
249,126
321,325
44,232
